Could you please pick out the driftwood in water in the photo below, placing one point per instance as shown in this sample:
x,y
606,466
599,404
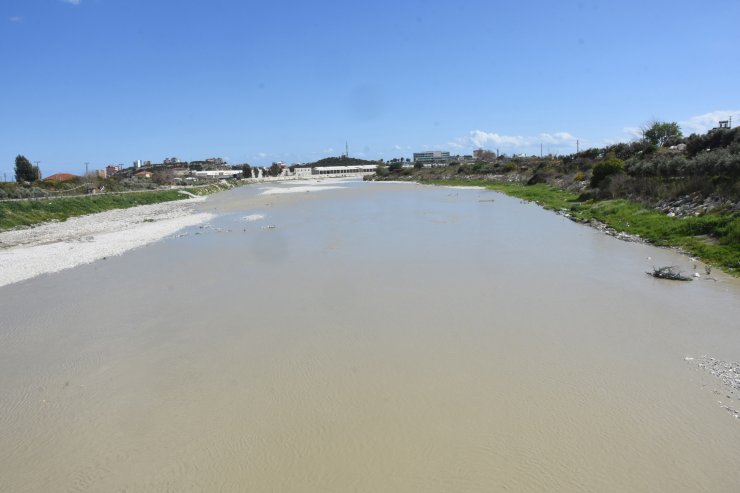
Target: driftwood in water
x,y
669,272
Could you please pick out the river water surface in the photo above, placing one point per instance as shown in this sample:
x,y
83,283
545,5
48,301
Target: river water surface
x,y
370,337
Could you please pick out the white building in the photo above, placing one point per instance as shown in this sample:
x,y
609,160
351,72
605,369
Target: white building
x,y
365,169
217,173
302,171
432,158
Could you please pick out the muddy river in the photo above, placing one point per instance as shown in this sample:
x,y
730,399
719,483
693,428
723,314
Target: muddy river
x,y
349,336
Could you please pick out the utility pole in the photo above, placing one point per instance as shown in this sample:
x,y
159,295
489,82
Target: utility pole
x,y
578,146
540,150
86,163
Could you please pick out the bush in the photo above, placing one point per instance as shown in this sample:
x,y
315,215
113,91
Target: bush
x,y
615,185
714,139
609,166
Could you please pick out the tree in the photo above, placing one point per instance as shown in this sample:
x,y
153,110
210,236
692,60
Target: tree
x,y
246,170
381,170
163,176
275,170
25,171
661,133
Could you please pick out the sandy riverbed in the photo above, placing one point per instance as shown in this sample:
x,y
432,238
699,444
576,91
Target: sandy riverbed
x,y
55,246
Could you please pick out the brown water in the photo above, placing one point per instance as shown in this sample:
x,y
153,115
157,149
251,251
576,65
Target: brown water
x,y
381,337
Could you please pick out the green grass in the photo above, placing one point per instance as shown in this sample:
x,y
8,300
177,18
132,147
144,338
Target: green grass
x,y
544,195
714,238
24,213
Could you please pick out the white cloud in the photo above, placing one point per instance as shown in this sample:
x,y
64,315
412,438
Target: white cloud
x,y
16,18
708,121
557,138
633,132
480,138
72,2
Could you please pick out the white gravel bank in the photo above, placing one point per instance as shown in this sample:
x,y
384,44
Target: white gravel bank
x,y
56,246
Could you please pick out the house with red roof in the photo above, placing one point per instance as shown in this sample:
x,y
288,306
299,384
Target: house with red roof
x,y
61,177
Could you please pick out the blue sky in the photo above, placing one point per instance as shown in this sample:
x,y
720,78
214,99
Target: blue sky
x,y
111,81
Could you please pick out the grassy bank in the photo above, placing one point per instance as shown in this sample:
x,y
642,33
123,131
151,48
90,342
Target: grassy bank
x,y
23,213
714,238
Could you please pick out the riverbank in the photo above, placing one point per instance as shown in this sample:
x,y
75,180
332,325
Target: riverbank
x,y
55,246
713,238
30,212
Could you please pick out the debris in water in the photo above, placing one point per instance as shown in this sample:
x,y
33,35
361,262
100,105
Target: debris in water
x,y
728,374
668,272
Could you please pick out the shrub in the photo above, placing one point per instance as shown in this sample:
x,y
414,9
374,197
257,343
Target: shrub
x,y
609,166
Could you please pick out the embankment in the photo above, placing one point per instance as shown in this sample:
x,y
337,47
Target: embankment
x,y
29,212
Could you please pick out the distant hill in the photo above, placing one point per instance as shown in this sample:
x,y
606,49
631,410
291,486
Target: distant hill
x,y
338,161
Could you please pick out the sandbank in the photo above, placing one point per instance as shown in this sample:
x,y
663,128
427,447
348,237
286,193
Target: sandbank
x,y
55,246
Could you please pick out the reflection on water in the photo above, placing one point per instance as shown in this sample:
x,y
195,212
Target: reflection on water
x,y
375,337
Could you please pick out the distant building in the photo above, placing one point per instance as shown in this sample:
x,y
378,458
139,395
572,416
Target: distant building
x,y
343,170
171,160
137,164
101,173
217,173
112,169
432,158
302,171
143,175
